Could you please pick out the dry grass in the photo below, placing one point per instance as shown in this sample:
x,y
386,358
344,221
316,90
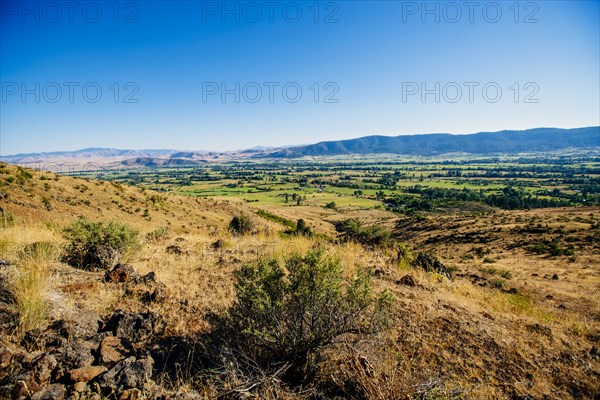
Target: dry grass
x,y
33,250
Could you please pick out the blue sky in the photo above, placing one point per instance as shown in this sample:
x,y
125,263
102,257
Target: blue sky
x,y
361,68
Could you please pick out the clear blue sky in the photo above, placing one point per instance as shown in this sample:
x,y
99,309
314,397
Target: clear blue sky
x,y
374,54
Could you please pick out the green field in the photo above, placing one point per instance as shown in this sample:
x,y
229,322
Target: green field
x,y
399,184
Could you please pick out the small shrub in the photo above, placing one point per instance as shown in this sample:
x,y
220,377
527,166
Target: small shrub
x,y
352,229
302,229
241,225
31,282
93,245
158,234
497,283
331,205
286,314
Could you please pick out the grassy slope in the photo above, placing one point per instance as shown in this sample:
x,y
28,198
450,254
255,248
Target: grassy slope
x,y
450,334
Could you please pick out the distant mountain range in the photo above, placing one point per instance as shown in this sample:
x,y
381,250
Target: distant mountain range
x,y
483,143
503,142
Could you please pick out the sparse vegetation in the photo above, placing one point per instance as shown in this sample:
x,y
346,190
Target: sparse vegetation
x,y
241,224
353,229
95,245
285,315
222,317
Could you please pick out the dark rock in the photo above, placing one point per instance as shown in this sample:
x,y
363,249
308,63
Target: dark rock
x,y
155,296
121,273
135,327
555,277
4,263
8,314
150,277
129,373
219,244
430,264
104,258
541,329
78,354
407,280
174,249
42,367
379,273
51,392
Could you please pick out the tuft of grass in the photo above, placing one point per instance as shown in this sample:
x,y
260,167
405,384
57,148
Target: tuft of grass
x,y
31,283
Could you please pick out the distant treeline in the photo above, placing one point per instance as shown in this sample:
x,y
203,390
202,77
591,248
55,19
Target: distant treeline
x,y
419,198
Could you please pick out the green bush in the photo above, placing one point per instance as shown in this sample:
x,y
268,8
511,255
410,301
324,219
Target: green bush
x,y
286,314
302,229
158,234
241,224
94,245
352,229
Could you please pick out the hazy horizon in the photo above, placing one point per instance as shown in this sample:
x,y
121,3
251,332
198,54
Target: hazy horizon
x,y
59,150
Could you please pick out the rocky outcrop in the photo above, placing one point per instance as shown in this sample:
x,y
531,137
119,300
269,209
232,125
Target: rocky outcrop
x,y
430,264
81,358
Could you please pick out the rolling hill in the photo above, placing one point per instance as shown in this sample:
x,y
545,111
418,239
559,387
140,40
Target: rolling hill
x,y
503,142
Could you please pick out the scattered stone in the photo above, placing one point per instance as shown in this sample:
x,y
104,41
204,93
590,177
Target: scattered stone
x,y
156,296
4,263
174,249
549,296
555,277
86,374
407,280
51,392
541,329
113,350
219,244
150,277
